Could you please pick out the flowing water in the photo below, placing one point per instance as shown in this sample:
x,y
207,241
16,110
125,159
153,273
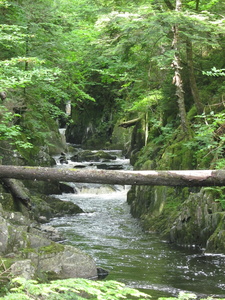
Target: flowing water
x,y
107,231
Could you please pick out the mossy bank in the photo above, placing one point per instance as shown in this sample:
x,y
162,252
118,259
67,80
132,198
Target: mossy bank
x,y
192,217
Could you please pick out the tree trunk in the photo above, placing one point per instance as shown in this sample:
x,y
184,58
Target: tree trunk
x,y
129,123
17,190
169,4
166,178
177,79
194,88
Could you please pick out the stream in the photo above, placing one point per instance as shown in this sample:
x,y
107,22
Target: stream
x,y
116,241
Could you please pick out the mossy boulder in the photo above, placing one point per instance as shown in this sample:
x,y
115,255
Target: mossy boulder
x,y
46,207
56,261
88,155
216,242
29,253
121,138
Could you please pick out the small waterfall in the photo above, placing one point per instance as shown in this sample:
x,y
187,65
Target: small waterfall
x,y
68,108
62,132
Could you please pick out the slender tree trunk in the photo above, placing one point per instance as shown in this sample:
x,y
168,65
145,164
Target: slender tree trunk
x,y
197,4
177,79
146,128
169,4
193,84
166,178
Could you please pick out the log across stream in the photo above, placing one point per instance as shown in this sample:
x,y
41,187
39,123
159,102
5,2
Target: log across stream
x,y
167,178
108,232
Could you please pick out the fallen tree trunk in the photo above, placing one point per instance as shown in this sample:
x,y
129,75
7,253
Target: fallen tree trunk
x,y
129,123
17,190
167,178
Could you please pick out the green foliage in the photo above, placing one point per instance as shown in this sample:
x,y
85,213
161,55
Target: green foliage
x,y
185,296
218,194
10,132
11,34
14,75
214,72
147,102
206,143
80,289
77,288
113,56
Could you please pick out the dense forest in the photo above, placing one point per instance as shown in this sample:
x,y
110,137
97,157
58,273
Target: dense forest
x,y
146,77
113,61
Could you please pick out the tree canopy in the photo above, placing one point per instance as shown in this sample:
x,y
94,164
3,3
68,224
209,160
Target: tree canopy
x,y
121,57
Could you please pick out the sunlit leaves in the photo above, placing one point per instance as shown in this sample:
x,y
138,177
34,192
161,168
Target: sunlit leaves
x,y
9,131
204,4
214,72
71,289
144,104
10,34
4,3
21,71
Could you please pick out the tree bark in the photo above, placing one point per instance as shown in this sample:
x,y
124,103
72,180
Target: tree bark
x,y
165,178
17,190
193,84
129,123
177,79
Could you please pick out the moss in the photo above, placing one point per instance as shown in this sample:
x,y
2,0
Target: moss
x,y
7,202
148,165
62,207
177,157
26,251
163,211
52,248
192,113
6,263
5,275
216,242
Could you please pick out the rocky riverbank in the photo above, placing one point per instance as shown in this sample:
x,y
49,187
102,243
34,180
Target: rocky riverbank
x,y
191,217
31,249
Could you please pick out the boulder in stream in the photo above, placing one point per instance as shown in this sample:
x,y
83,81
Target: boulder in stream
x,y
31,254
88,155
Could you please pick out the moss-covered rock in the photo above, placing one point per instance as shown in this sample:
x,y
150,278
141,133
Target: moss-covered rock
x,y
216,242
31,254
46,207
88,155
186,216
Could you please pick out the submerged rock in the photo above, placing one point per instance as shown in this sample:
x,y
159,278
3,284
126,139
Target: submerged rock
x,y
102,273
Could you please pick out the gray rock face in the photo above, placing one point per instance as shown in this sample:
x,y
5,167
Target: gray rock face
x,y
55,262
188,219
68,263
38,256
23,268
199,223
4,234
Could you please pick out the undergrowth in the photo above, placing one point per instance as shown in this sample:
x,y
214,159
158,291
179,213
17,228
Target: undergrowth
x,y
80,289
